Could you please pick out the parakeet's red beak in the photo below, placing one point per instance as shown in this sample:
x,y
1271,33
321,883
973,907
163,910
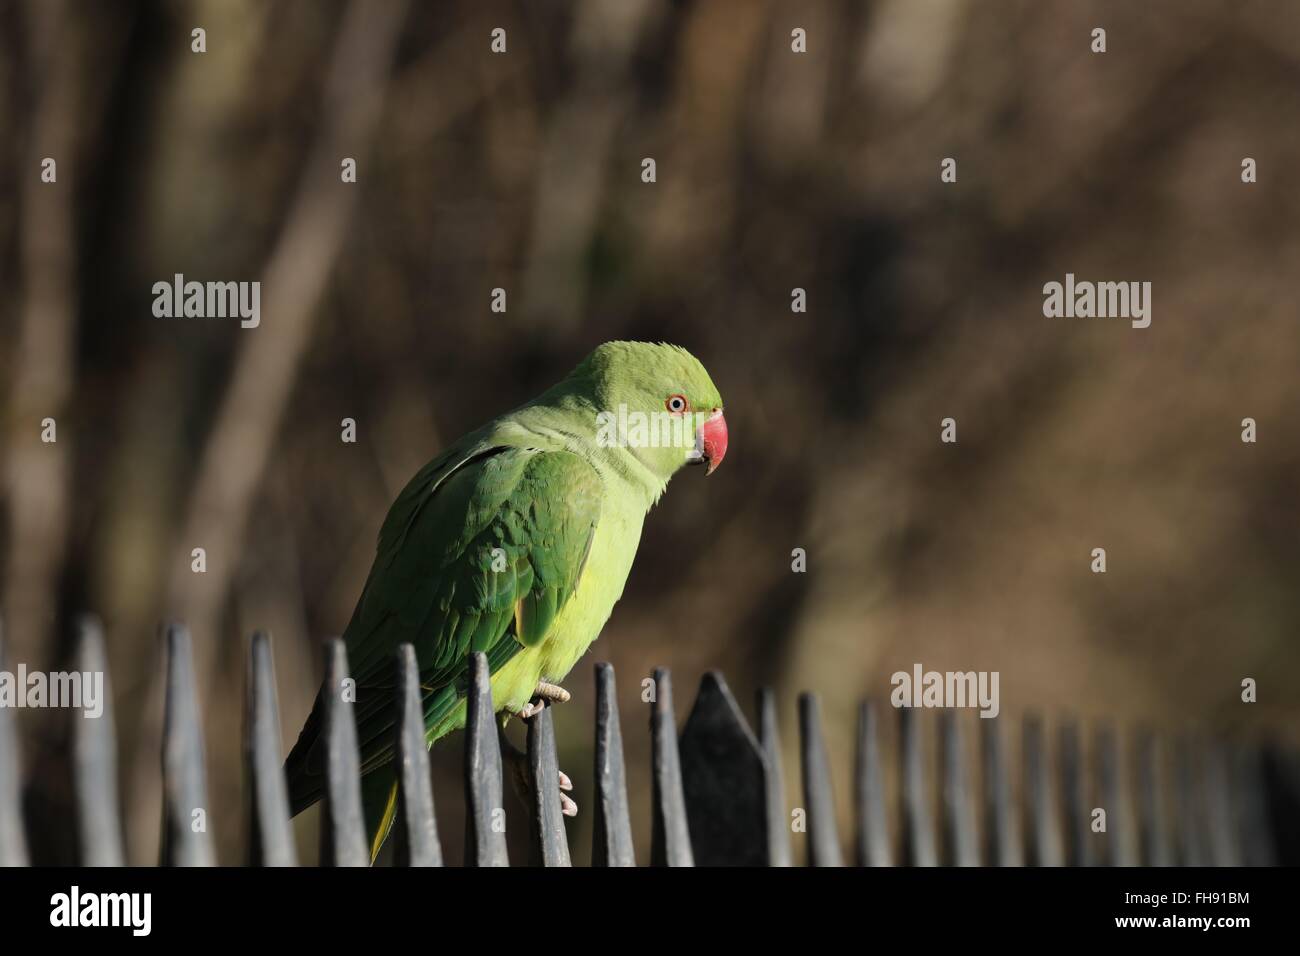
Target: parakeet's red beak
x,y
714,432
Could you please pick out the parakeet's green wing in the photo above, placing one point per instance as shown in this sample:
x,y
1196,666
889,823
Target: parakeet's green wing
x,y
478,554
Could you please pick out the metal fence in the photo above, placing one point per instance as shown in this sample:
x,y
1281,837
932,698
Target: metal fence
x,y
718,790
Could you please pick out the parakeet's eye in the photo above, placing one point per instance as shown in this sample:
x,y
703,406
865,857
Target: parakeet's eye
x,y
676,404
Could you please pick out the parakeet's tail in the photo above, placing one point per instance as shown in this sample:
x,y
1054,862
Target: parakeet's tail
x,y
304,768
379,805
303,772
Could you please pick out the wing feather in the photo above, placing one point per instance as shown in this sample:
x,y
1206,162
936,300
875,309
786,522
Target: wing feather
x,y
477,553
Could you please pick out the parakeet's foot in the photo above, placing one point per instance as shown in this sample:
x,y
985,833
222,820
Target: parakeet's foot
x,y
518,762
545,692
568,806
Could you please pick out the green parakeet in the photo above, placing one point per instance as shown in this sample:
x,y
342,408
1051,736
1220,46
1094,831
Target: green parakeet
x,y
516,541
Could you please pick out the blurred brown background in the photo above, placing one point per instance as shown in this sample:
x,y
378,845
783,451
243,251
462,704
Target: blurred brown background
x,y
776,170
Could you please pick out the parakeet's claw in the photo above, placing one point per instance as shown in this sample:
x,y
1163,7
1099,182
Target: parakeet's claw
x,y
545,693
517,761
552,692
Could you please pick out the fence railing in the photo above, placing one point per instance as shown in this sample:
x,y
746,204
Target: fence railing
x,y
718,789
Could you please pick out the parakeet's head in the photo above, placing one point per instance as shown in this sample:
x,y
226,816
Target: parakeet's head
x,y
658,402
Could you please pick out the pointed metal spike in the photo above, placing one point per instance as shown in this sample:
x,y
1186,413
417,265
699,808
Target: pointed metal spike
x,y
1001,835
872,836
819,795
485,833
918,822
1280,773
13,838
343,833
270,835
1078,829
415,831
1043,835
1119,843
1152,827
960,847
94,760
186,841
780,852
1192,849
1252,818
612,826
1221,839
670,838
724,781
549,839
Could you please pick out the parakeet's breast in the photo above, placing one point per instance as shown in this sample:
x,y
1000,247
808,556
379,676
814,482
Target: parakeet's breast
x,y
579,622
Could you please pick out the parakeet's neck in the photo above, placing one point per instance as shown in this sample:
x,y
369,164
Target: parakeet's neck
x,y
572,423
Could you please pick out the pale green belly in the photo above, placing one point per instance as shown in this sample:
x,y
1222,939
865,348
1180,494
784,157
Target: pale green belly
x,y
578,623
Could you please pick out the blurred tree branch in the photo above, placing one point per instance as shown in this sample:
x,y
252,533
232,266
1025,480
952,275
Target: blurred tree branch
x,y
298,268
576,154
37,476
